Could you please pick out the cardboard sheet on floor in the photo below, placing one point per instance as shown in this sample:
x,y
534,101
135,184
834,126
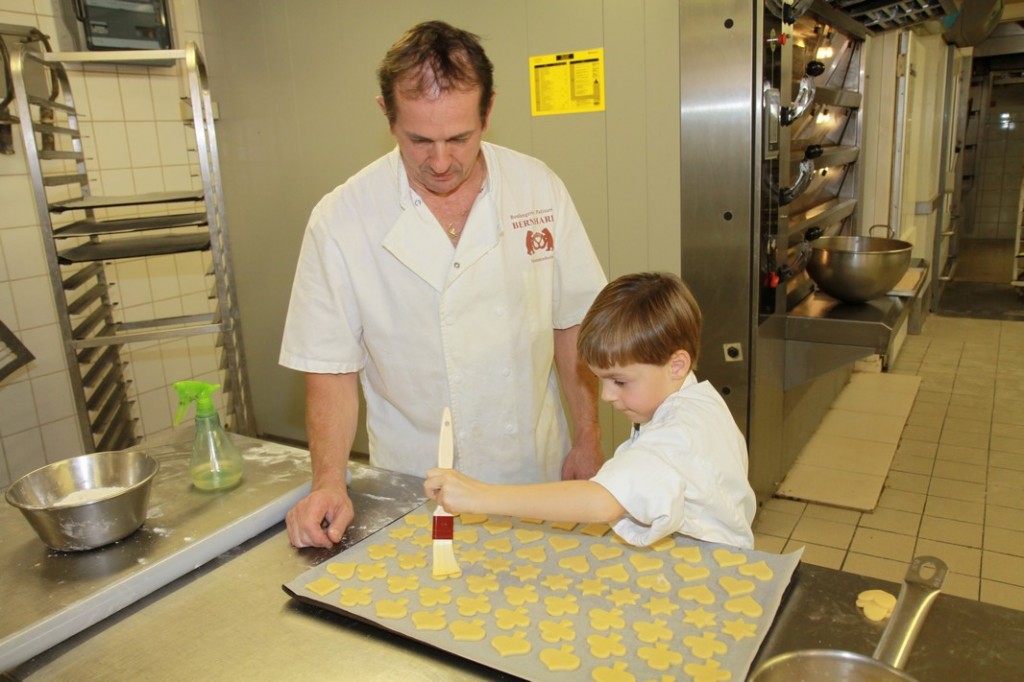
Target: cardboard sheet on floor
x,y
542,601
846,461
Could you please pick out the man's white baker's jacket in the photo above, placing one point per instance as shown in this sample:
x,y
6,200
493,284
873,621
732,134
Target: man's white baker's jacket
x,y
379,290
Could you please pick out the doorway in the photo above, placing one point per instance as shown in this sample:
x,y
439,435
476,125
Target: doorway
x,y
982,283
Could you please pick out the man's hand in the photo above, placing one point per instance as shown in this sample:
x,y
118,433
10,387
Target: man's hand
x,y
306,520
582,462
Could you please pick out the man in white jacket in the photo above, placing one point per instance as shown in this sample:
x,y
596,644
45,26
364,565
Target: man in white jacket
x,y
449,272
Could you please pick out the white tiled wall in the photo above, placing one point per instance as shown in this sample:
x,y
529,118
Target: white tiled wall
x,y
135,143
999,174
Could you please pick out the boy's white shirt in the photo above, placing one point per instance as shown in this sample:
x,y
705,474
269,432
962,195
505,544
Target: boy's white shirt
x,y
685,471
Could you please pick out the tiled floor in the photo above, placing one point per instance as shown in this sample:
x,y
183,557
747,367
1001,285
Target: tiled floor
x,y
956,486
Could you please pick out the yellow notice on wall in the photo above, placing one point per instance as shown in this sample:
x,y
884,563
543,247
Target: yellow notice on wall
x,y
567,83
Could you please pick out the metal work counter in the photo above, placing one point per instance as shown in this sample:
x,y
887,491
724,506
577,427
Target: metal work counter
x,y
230,619
823,333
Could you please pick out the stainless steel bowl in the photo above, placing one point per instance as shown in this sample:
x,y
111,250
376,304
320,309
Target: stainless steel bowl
x,y
857,269
88,501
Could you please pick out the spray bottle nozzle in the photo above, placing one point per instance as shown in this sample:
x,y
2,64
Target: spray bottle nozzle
x,y
198,392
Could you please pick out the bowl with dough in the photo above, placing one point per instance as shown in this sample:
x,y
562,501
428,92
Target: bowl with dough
x,y
87,501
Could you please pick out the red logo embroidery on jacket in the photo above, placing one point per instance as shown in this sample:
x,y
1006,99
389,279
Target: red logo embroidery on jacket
x,y
539,241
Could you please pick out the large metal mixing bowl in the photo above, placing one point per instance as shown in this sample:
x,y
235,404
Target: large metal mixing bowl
x,y
87,501
857,269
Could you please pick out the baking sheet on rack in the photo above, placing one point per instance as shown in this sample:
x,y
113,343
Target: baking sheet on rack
x,y
538,600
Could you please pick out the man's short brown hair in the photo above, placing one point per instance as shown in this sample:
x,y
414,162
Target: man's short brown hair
x,y
435,57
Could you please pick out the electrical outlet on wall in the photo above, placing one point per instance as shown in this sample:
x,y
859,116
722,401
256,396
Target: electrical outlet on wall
x,y
733,352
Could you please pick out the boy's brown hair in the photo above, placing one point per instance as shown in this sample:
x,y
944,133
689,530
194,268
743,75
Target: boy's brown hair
x,y
640,318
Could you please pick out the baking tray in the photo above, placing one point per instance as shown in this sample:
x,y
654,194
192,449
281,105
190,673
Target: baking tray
x,y
576,603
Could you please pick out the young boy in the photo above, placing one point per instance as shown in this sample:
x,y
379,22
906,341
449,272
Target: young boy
x,y
684,468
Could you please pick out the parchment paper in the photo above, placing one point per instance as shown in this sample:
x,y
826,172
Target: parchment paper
x,y
642,600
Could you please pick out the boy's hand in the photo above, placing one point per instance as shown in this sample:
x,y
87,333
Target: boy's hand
x,y
454,491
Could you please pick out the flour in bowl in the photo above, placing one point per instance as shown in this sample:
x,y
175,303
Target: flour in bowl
x,y
88,495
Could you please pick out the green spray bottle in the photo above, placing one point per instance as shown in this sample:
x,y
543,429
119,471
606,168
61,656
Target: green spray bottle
x,y
215,463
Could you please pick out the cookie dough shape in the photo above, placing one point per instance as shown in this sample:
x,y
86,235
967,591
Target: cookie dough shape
x,y
591,587
557,583
356,596
745,605
605,646
368,572
576,564
342,571
643,563
617,673
517,595
499,545
409,562
739,629
698,593
557,631
656,582
471,606
564,525
398,584
616,573
710,671
623,597
497,527
527,536
559,606
876,604
478,584
563,544
535,554
605,552
690,573
526,572
515,644
661,606
596,530
602,620
758,569
466,535
510,619
560,660
402,533
659,656
468,630
725,558
322,586
472,519
706,645
699,617
690,554
432,596
472,556
651,632
497,564
392,608
735,587
386,551
429,620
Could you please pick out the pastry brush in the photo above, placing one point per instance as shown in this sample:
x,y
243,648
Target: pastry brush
x,y
445,563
